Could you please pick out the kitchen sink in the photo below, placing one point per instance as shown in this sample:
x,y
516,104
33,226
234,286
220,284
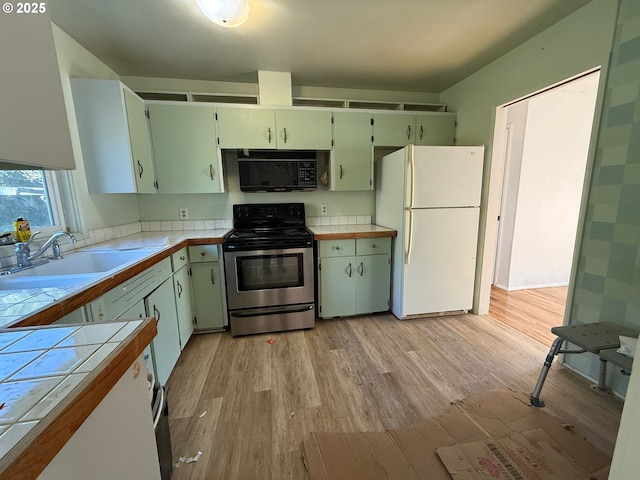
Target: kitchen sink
x,y
19,282
81,267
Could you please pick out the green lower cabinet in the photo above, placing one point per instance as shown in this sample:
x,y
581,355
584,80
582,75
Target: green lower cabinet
x,y
165,347
373,283
207,296
337,286
182,291
354,284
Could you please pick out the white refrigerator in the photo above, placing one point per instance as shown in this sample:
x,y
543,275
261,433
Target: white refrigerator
x,y
431,197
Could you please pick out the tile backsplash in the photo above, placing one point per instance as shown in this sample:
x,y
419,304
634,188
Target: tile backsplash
x,y
98,235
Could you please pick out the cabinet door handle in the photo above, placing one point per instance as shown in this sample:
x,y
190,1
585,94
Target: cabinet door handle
x,y
408,132
183,258
269,134
179,289
156,313
421,132
140,169
213,278
211,171
361,269
350,270
341,172
285,134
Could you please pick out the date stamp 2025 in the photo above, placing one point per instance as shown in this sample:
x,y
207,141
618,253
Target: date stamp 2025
x,y
24,7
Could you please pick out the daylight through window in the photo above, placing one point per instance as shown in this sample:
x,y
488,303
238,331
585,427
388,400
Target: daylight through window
x,y
29,194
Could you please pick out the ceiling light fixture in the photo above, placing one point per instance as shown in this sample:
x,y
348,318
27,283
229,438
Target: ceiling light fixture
x,y
227,13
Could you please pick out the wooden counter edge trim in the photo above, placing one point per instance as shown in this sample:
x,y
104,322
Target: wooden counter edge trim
x,y
38,453
59,309
351,235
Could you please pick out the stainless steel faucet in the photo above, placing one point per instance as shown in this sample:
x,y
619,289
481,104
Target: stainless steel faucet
x,y
25,258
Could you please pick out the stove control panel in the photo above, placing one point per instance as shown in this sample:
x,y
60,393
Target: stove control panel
x,y
260,215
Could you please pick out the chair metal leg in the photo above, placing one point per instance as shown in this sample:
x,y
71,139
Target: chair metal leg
x,y
534,398
602,377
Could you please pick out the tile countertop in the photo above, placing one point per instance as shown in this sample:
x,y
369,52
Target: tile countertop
x,y
42,306
52,378
343,232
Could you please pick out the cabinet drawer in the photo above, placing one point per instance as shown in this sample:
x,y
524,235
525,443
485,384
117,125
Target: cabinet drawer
x,y
372,246
122,297
203,253
337,248
179,259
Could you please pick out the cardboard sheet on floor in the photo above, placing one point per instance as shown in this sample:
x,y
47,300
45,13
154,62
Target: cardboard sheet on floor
x,y
410,453
519,456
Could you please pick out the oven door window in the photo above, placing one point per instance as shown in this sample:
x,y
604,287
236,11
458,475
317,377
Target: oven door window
x,y
263,272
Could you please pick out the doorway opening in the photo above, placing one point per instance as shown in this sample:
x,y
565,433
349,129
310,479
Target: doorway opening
x,y
544,151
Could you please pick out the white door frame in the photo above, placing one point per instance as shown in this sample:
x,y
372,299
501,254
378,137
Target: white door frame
x,y
495,186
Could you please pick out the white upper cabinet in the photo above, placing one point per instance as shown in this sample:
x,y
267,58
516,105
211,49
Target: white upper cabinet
x,y
34,129
113,136
187,158
268,128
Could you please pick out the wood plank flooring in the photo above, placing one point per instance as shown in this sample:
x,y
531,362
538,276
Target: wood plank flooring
x,y
532,312
247,404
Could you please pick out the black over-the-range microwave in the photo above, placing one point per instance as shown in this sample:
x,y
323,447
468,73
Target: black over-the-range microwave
x,y
277,171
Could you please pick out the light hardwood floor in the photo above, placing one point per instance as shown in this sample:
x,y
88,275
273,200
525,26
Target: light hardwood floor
x,y
532,312
366,373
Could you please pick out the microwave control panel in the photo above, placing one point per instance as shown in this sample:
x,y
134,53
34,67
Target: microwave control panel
x,y
307,174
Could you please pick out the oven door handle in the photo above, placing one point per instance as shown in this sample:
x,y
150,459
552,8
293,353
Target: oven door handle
x,y
262,313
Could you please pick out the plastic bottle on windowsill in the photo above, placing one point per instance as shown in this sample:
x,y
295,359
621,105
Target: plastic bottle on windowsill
x,y
23,230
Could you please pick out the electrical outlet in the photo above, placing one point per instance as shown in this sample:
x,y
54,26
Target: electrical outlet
x,y
324,209
184,213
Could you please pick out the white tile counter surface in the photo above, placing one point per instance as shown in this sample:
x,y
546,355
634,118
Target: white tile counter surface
x,y
41,366
18,304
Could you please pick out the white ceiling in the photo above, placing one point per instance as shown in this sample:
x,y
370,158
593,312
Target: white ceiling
x,y
411,45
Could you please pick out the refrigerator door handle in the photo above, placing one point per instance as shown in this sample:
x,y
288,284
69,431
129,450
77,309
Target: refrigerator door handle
x,y
409,238
410,180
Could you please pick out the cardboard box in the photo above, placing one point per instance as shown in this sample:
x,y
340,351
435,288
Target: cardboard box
x,y
410,453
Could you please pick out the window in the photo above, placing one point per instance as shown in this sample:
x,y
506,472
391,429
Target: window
x,y
32,195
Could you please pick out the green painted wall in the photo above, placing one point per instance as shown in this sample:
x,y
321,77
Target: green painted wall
x,y
575,44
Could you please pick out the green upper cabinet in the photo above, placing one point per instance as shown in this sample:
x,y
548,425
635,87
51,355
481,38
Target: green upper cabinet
x,y
303,129
266,128
352,152
185,150
393,130
139,140
436,129
398,130
240,127
113,136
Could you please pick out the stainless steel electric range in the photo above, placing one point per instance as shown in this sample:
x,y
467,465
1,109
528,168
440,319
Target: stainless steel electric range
x,y
268,260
